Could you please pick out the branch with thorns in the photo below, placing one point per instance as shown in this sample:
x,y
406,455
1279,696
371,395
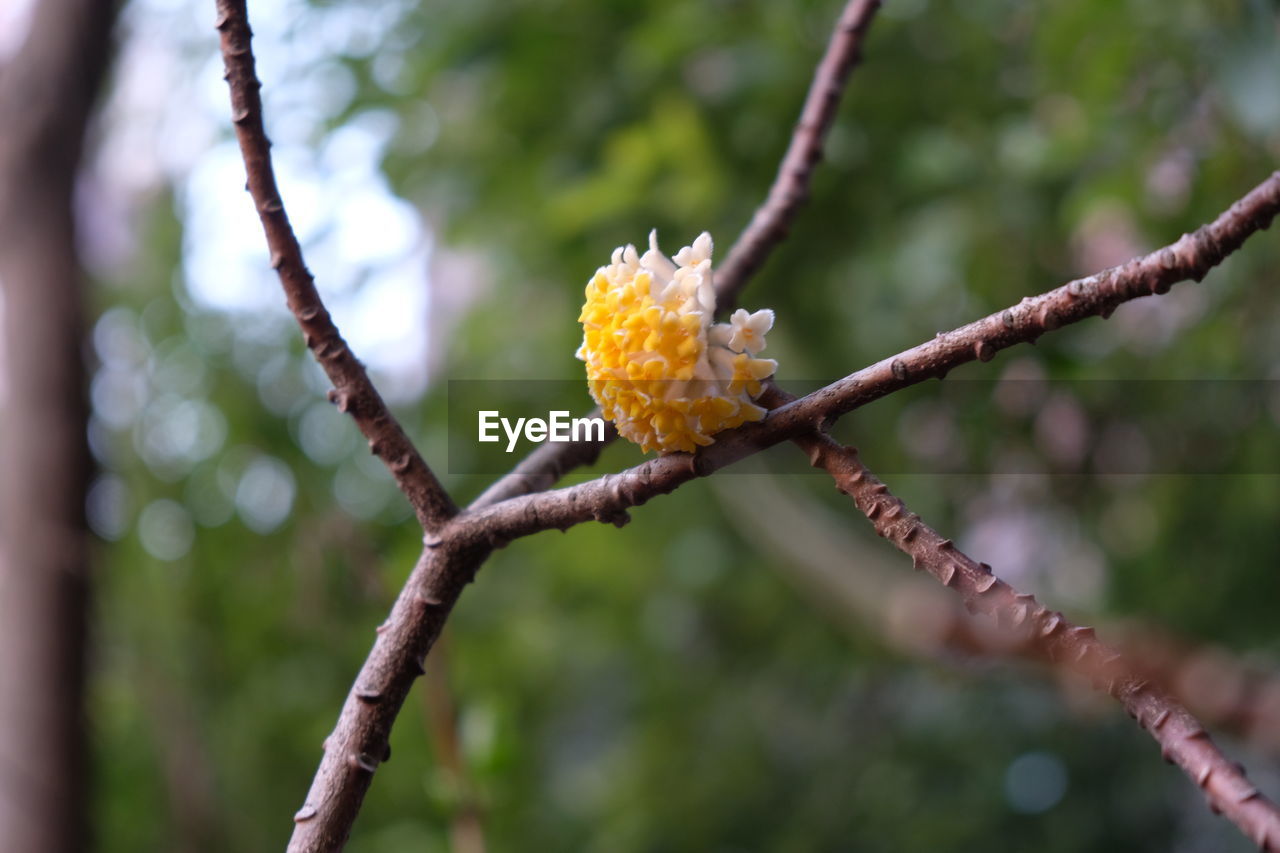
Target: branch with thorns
x,y
457,543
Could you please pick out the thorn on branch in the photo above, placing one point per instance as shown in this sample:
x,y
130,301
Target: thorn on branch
x,y
427,601
340,399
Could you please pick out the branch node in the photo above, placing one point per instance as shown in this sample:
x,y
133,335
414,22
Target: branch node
x,y
341,399
426,601
1202,779
1051,625
305,813
900,370
362,761
815,456
984,351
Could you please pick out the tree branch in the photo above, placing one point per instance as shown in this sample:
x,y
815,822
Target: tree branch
x,y
1183,740
453,556
772,220
863,591
352,392
609,497
360,741
543,468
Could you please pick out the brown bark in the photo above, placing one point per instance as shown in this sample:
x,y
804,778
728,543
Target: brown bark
x,y
456,545
46,94
1048,634
352,392
609,497
359,742
772,220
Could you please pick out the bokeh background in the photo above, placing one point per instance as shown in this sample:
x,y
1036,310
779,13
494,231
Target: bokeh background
x,y
744,667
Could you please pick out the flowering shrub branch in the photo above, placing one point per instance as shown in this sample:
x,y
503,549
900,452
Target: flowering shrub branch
x,y
609,497
456,544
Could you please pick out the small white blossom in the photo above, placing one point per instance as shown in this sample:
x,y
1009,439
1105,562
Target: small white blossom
x,y
748,330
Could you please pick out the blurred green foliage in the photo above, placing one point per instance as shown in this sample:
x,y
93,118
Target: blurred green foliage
x,y
666,686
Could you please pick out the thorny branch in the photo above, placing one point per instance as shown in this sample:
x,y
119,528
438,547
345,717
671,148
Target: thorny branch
x,y
352,392
865,591
1183,740
455,547
361,739
609,497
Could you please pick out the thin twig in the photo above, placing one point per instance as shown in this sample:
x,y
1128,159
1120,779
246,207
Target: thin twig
x,y
352,392
609,497
772,220
1183,740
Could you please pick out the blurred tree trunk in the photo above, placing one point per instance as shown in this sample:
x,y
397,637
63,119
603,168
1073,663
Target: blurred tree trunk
x,y
47,90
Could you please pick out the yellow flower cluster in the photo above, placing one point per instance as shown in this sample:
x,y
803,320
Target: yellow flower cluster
x,y
660,370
